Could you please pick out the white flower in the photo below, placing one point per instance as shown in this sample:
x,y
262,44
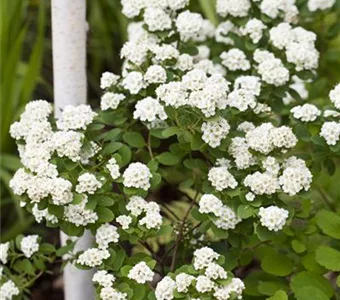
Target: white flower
x,y
330,131
215,271
124,221
203,257
235,59
76,117
272,71
79,215
133,82
261,183
105,235
8,290
283,137
215,131
152,220
20,181
109,293
111,100
314,5
29,245
93,257
172,94
178,4
113,167
273,217
185,62
61,191
306,113
88,183
210,204
149,109
165,52
295,176
103,278
39,215
251,84
137,175
157,19
334,95
222,31
189,24
303,56
4,247
254,29
221,178
165,289
235,8
108,79
136,205
155,74
141,273
241,99
194,80
281,35
131,8
250,197
204,284
68,143
235,288
227,218
183,281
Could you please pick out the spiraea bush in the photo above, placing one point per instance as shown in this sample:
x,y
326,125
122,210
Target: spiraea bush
x,y
196,174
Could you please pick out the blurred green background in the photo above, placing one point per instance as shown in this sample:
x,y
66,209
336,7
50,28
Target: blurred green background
x,y
26,74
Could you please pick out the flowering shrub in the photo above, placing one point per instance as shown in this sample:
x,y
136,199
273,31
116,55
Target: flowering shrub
x,y
202,141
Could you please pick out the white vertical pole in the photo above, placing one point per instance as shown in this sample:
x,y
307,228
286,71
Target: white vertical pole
x,y
69,72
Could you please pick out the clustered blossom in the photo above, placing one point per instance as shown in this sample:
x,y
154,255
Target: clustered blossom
x,y
215,131
113,168
148,213
105,235
141,273
111,100
208,281
4,248
273,217
103,278
137,175
226,217
93,257
306,112
29,245
221,178
149,109
8,290
87,183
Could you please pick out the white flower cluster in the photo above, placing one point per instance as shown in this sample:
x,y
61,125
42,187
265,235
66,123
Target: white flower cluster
x,y
221,178
148,213
29,245
298,44
137,175
105,235
4,249
273,217
306,112
314,5
215,131
111,100
208,281
330,130
254,28
149,109
8,290
93,257
42,214
87,183
113,168
79,215
141,273
226,217
105,281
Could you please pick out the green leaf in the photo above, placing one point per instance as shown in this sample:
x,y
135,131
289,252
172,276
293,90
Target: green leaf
x,y
310,292
103,200
298,246
46,248
112,147
245,211
24,266
104,214
125,270
134,139
328,257
279,295
125,153
167,159
170,131
65,249
329,223
278,264
317,283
